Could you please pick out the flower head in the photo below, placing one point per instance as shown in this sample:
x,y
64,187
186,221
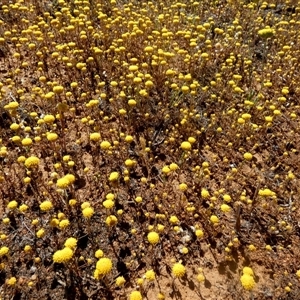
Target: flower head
x,y
186,146
111,220
103,267
62,256
12,204
153,237
135,295
46,205
88,212
178,270
114,176
247,281
32,162
120,281
150,275
71,243
4,251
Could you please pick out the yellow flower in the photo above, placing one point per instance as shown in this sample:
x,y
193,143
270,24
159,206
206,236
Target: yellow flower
x,y
4,251
58,89
6,220
99,253
183,186
186,146
252,247
298,273
150,275
247,281
103,267
62,256
138,199
248,156
95,137
12,204
199,233
128,139
114,176
205,193
225,208
52,136
26,141
71,243
49,119
12,105
11,281
88,212
111,220
46,205
64,224
31,162
135,295
178,270
266,32
108,203
14,126
173,167
129,163
153,237
174,220
40,233
120,281
227,198
214,219
63,183
70,177
105,145
27,248
200,278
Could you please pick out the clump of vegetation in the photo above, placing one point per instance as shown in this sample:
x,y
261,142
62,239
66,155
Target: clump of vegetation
x,y
145,144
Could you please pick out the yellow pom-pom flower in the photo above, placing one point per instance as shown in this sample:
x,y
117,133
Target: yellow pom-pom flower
x,y
150,275
12,204
51,137
71,243
214,219
120,281
186,146
247,281
103,267
153,237
99,253
63,183
95,136
248,156
62,256
135,295
178,270
32,162
64,224
114,176
111,220
46,205
26,141
4,251
105,145
11,281
108,203
40,233
49,119
88,212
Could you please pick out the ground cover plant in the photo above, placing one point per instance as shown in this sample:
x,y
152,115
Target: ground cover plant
x,y
149,149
